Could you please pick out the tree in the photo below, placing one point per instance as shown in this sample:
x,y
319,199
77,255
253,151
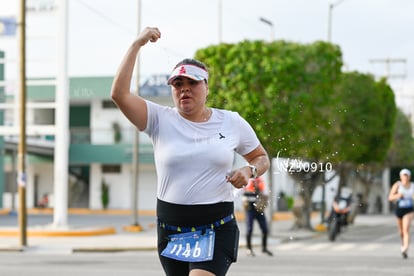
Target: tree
x,y
364,117
284,90
302,106
364,124
401,152
281,88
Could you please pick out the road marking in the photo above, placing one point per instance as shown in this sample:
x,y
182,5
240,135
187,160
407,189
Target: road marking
x,y
343,247
318,246
387,237
370,247
290,246
331,246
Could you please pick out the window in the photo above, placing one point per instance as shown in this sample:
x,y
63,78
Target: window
x,y
108,104
111,168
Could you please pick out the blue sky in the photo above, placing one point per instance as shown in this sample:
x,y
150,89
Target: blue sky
x,y
100,31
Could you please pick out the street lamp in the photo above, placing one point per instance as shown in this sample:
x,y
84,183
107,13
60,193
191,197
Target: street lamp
x,y
331,7
270,24
321,226
220,23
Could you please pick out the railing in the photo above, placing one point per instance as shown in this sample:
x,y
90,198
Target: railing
x,y
105,136
92,145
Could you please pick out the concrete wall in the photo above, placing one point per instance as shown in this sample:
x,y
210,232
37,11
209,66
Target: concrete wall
x,y
120,188
44,174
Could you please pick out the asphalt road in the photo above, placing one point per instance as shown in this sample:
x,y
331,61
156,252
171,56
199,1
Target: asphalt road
x,y
116,221
361,250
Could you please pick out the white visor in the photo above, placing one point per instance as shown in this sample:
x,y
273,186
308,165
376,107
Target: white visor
x,y
189,71
405,171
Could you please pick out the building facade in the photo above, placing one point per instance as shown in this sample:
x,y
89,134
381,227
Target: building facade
x,y
100,151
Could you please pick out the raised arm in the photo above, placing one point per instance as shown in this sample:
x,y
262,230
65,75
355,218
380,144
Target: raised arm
x,y
133,106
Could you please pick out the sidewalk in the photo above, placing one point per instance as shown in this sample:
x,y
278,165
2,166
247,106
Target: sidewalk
x,y
47,239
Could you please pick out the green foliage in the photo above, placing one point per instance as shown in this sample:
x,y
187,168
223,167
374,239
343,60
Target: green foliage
x,y
302,106
364,114
290,201
298,101
104,194
282,88
401,152
117,132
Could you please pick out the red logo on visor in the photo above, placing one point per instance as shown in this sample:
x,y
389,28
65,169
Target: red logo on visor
x,y
182,70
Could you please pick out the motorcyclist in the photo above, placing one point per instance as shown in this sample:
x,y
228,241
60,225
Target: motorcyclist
x,y
342,205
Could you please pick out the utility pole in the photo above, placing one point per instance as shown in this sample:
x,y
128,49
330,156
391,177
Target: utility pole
x,y
388,62
21,174
388,75
219,21
2,100
135,226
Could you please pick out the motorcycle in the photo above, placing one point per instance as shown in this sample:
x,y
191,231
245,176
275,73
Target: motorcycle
x,y
338,218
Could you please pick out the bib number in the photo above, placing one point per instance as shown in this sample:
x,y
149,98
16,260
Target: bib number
x,y
405,203
191,246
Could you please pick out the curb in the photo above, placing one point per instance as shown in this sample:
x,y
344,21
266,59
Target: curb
x,y
287,215
50,232
81,211
59,233
12,249
112,249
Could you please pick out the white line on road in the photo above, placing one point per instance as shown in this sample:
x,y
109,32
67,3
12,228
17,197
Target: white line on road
x,y
344,247
370,247
387,237
318,246
290,246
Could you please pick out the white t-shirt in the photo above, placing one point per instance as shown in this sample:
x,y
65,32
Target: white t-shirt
x,y
407,200
192,159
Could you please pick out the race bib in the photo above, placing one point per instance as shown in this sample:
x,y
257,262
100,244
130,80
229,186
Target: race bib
x,y
191,246
405,203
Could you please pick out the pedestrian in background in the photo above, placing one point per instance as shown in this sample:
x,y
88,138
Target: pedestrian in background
x,y
255,201
194,148
402,194
44,201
